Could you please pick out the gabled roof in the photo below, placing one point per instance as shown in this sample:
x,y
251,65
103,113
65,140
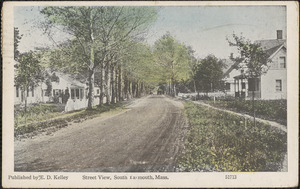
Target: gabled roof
x,y
233,66
270,46
272,50
70,79
67,77
228,63
270,43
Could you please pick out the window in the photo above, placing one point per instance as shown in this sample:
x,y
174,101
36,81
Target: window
x,y
17,91
278,85
243,85
227,86
27,92
98,91
45,93
77,93
72,93
282,62
32,91
81,93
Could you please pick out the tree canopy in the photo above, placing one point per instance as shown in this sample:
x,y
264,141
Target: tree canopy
x,y
208,73
17,38
251,56
97,32
172,58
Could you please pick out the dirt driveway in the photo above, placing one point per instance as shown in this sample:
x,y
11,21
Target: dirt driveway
x,y
148,136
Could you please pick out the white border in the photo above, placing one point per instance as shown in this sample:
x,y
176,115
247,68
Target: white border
x,y
178,180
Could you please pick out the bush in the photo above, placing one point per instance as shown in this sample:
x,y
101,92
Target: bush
x,y
219,141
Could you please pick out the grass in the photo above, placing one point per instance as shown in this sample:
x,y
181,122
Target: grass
x,y
274,110
35,113
219,141
48,115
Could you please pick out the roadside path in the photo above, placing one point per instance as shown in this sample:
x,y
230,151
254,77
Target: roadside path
x,y
272,123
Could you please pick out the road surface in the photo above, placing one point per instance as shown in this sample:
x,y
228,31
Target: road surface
x,y
148,136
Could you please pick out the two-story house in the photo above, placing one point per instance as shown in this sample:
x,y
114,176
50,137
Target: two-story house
x,y
272,84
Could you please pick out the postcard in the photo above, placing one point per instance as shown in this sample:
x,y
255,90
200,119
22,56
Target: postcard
x,y
150,94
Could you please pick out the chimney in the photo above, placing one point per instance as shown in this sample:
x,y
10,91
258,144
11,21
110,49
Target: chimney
x,y
231,55
279,34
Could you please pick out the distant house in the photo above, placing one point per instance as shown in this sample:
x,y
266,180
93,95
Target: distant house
x,y
61,88
271,85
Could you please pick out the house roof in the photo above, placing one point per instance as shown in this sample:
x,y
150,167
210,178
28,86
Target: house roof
x,y
242,76
272,50
270,46
228,63
69,78
73,81
270,43
232,66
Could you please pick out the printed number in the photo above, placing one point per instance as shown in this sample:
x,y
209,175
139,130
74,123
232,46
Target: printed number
x,y
230,177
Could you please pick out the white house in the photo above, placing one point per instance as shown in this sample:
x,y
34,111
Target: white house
x,y
64,89
271,85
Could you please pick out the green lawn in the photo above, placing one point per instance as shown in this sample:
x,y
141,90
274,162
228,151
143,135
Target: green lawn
x,y
50,115
219,141
39,112
273,110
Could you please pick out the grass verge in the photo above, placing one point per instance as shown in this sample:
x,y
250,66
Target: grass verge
x,y
220,141
273,110
57,119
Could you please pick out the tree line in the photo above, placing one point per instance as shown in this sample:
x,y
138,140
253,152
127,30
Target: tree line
x,y
106,47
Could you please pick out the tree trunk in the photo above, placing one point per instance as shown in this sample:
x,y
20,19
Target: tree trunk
x,y
91,68
174,86
91,89
112,84
137,89
25,98
101,85
253,107
142,88
125,86
106,78
116,84
119,83
129,89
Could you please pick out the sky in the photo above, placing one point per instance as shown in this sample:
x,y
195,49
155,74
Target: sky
x,y
204,28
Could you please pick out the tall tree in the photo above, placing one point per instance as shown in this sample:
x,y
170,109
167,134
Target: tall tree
x,y
17,38
208,73
138,64
192,65
28,74
173,60
251,57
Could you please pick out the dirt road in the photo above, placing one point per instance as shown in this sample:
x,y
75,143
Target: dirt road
x,y
148,136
